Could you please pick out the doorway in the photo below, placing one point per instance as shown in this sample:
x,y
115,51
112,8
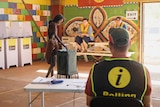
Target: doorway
x,y
151,33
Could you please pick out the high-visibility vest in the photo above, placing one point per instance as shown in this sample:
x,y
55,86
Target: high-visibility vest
x,y
121,25
119,78
85,29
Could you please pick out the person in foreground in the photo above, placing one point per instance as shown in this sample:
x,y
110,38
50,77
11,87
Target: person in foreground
x,y
52,44
119,76
85,35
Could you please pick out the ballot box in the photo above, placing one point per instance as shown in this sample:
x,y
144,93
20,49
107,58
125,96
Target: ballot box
x,y
11,52
24,51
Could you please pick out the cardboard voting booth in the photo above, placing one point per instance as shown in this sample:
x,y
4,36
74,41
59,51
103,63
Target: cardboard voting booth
x,y
16,30
11,52
27,29
5,29
16,40
20,29
24,44
4,33
2,57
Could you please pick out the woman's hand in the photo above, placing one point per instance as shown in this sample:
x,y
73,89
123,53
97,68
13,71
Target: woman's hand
x,y
66,48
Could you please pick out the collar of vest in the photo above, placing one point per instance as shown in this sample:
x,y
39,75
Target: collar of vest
x,y
111,59
84,29
121,25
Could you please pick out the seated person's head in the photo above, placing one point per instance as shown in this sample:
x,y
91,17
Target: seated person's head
x,y
118,20
119,39
84,21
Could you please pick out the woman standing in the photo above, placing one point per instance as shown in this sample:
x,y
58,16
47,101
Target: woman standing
x,y
53,42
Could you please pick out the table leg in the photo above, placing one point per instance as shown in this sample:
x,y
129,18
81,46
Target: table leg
x,y
42,99
85,58
29,99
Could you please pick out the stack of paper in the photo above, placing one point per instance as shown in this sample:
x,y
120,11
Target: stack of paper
x,y
42,80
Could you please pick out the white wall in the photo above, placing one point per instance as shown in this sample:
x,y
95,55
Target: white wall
x,y
151,29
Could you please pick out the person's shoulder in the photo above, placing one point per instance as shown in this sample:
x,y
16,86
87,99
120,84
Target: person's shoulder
x,y
136,63
124,24
52,23
90,25
100,63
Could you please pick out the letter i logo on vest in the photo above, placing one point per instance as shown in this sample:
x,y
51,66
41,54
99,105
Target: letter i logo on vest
x,y
119,77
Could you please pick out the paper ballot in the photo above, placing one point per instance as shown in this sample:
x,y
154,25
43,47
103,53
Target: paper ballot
x,y
42,80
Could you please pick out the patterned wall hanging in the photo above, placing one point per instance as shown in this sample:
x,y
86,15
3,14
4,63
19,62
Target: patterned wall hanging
x,y
97,19
101,24
70,28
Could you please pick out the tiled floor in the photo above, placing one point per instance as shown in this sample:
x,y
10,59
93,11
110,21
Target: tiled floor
x,y
14,79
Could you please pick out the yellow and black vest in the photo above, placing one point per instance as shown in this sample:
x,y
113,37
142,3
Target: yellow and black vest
x,y
121,25
85,29
119,78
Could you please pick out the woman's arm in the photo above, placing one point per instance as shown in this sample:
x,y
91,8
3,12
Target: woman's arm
x,y
54,28
59,41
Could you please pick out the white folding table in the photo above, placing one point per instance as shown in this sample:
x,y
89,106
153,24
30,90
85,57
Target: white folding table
x,y
68,85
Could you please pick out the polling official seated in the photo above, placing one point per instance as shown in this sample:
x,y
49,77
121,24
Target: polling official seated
x,y
115,102
119,76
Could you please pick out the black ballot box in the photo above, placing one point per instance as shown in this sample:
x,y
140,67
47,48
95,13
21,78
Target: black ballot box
x,y
67,63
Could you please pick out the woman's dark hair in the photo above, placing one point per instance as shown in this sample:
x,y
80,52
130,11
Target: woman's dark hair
x,y
57,18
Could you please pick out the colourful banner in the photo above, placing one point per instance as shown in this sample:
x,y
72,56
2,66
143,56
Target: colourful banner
x,y
84,3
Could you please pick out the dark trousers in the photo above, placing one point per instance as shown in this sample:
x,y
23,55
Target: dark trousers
x,y
79,39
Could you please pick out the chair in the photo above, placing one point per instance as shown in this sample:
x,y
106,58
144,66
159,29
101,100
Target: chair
x,y
115,102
